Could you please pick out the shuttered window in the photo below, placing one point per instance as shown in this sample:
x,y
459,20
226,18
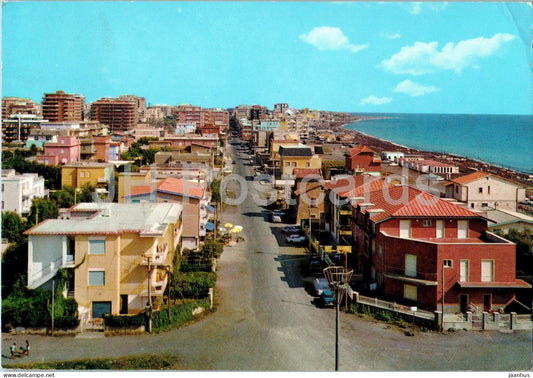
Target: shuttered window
x,y
487,270
97,247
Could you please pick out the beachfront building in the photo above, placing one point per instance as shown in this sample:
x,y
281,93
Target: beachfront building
x,y
431,167
18,191
393,156
417,247
482,189
111,250
362,159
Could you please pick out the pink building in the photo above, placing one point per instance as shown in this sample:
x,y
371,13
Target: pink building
x,y
66,150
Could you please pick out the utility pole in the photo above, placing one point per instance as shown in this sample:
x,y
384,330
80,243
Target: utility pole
x,y
53,305
149,296
442,304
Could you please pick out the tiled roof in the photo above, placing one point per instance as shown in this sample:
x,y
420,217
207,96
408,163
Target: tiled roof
x,y
354,186
307,172
406,201
357,150
182,187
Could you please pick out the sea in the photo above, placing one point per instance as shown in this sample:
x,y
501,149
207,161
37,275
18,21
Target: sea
x,y
502,140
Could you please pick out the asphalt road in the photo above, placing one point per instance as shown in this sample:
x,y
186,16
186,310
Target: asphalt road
x,y
266,321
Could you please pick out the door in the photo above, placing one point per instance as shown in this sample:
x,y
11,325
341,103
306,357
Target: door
x,y
410,265
440,229
464,303
405,228
101,308
487,302
463,276
462,229
124,304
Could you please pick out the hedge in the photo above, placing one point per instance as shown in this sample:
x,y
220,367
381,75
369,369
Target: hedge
x,y
125,321
179,315
192,284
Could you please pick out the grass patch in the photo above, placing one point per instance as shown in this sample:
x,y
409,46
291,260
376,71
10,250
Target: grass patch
x,y
139,362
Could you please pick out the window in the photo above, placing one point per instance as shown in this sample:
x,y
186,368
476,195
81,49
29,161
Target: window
x,y
447,263
88,174
62,151
294,164
488,189
410,292
2,187
480,190
472,205
427,222
456,188
307,164
97,247
487,270
464,271
82,174
288,164
96,277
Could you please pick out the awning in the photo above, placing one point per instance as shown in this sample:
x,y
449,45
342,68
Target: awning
x,y
412,280
209,226
210,208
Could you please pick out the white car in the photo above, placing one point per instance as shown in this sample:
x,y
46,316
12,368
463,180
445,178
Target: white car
x,y
295,238
320,285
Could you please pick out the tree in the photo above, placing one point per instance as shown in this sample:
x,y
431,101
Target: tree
x,y
14,266
212,248
86,193
12,227
41,209
64,197
215,190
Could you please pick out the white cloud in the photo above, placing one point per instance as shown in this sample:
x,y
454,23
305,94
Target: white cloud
x,y
330,38
416,8
414,89
392,35
422,58
374,100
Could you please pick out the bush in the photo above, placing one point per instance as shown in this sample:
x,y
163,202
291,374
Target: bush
x,y
192,284
126,321
180,315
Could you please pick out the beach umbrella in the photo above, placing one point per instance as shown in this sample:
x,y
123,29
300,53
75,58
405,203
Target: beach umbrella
x,y
238,228
228,225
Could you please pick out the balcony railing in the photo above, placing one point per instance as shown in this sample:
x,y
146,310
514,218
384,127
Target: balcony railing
x,y
157,256
400,271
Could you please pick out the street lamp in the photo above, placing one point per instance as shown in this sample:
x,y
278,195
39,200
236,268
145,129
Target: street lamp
x,y
338,278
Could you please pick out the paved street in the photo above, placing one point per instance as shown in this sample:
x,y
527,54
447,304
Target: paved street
x,y
266,320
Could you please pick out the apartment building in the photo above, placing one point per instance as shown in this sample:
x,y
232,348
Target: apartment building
x,y
18,127
112,250
300,156
431,166
119,114
66,150
16,105
18,191
191,195
482,189
427,252
140,106
99,175
61,106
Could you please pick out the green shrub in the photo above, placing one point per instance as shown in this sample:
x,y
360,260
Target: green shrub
x,y
180,314
192,284
125,321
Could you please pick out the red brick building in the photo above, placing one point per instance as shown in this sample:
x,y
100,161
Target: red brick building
x,y
362,159
61,106
416,247
120,115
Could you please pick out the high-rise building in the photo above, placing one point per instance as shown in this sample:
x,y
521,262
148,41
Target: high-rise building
x,y
190,114
61,106
16,105
118,114
140,103
280,108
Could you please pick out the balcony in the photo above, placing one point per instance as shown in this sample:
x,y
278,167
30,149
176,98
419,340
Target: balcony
x,y
157,255
345,230
158,282
421,278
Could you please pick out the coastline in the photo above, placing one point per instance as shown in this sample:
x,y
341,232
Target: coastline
x,y
465,164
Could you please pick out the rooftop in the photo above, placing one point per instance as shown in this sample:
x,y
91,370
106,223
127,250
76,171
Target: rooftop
x,y
101,218
297,151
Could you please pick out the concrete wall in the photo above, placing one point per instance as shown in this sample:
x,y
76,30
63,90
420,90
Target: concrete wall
x,y
44,257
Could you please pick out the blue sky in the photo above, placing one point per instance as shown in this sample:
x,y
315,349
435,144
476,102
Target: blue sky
x,y
360,57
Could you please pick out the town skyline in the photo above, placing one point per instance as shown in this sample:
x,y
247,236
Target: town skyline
x,y
354,57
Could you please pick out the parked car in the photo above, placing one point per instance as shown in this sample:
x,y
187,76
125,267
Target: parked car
x,y
290,229
295,238
275,218
320,284
327,299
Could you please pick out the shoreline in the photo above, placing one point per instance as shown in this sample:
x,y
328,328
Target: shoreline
x,y
465,164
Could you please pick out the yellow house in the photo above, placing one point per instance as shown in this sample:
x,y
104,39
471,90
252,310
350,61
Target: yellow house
x,y
298,157
129,180
111,249
79,174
